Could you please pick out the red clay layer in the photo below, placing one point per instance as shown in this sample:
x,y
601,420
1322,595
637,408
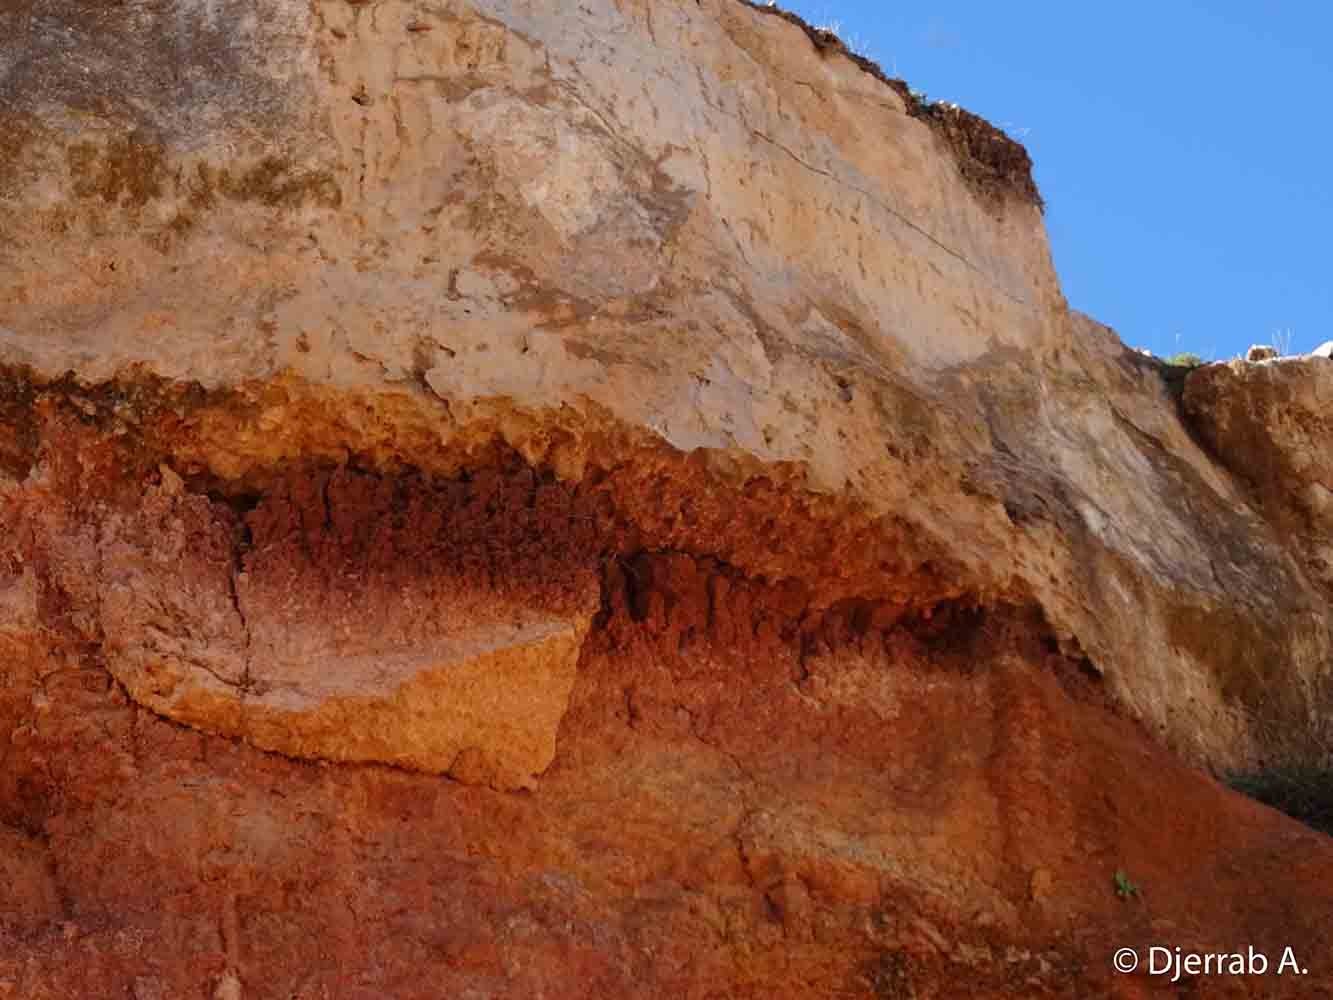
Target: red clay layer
x,y
760,788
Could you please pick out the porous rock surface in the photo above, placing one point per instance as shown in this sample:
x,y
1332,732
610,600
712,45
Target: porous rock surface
x,y
340,638
515,499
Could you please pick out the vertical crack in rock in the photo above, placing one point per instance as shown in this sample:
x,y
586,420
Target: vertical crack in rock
x,y
164,592
237,571
375,625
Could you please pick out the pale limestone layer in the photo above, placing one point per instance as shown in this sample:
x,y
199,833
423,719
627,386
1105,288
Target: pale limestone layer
x,y
677,218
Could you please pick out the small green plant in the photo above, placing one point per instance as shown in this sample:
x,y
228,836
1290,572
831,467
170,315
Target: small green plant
x,y
1185,359
919,97
1124,888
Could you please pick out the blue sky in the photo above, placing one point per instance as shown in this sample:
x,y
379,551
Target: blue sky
x,y
1185,150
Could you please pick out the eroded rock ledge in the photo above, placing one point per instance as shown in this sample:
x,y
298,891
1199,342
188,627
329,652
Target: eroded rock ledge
x,y
345,618
454,385
763,257
796,758
369,610
797,755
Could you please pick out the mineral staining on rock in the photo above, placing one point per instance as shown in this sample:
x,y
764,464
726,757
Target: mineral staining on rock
x,y
641,404
326,623
759,254
481,699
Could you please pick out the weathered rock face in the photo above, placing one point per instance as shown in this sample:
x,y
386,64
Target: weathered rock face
x,y
1268,425
755,254
664,428
346,632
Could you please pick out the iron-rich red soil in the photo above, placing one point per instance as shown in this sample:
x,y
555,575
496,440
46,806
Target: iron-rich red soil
x,y
766,783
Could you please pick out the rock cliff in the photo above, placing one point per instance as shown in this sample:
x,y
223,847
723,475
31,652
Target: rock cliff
x,y
511,499
1265,423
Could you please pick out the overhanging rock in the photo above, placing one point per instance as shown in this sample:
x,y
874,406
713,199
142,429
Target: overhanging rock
x,y
336,651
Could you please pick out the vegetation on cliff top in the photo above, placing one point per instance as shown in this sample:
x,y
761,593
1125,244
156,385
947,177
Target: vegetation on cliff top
x,y
991,162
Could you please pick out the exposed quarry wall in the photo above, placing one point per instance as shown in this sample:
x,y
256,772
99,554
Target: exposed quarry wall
x,y
657,423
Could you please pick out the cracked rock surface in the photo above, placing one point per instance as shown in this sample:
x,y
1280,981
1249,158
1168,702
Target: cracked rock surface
x,y
682,220
334,630
501,498
1268,423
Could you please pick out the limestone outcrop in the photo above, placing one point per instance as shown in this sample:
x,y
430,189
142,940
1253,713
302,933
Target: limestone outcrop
x,y
514,499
